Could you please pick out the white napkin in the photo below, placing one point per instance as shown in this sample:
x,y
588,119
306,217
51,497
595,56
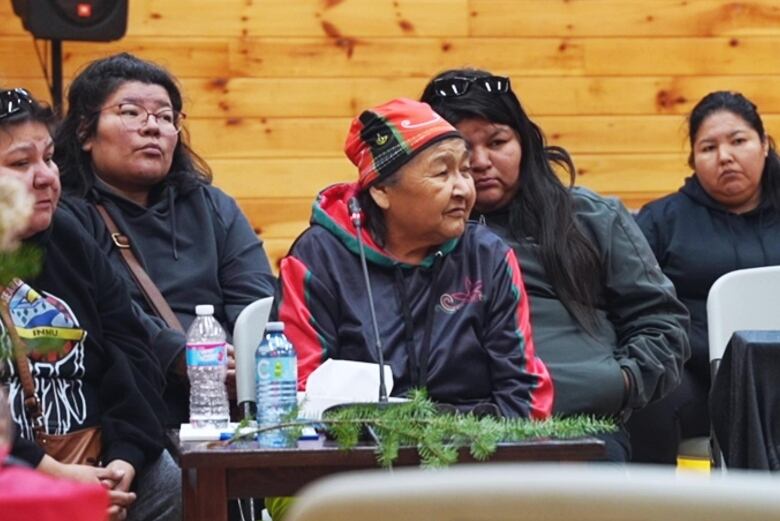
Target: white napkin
x,y
342,381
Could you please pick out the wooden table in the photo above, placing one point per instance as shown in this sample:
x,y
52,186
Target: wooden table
x,y
211,475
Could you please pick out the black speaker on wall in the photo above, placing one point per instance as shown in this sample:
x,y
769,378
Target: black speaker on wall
x,y
85,20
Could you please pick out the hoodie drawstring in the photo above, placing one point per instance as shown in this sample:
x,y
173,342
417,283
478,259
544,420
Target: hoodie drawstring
x,y
733,242
408,324
761,237
172,209
429,312
418,365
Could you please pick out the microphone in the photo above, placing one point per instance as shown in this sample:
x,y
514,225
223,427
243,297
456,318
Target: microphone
x,y
354,209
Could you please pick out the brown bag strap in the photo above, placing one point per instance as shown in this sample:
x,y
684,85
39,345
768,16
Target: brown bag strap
x,y
142,279
31,402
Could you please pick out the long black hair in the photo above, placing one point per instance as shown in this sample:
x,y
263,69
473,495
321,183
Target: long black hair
x,y
739,105
543,207
86,96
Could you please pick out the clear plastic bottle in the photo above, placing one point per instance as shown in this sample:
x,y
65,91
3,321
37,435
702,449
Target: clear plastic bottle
x,y
206,369
277,383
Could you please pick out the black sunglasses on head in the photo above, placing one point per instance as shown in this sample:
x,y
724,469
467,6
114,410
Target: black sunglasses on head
x,y
13,100
460,85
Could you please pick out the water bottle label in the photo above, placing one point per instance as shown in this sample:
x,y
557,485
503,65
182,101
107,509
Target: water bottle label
x,y
277,369
206,354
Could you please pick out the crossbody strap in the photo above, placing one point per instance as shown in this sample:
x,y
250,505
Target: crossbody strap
x,y
31,403
142,279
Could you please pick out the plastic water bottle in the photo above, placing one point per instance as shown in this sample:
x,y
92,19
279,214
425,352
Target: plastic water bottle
x,y
206,369
277,383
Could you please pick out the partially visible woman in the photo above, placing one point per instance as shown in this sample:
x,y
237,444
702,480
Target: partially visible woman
x,y
86,351
606,320
452,309
725,217
122,145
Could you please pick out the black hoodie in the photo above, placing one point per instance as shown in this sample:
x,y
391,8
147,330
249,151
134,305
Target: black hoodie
x,y
696,240
88,357
197,247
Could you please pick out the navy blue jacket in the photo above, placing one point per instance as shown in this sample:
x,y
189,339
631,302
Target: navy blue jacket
x,y
456,324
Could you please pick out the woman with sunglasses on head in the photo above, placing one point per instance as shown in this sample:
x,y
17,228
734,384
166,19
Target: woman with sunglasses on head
x,y
122,148
725,217
85,353
606,320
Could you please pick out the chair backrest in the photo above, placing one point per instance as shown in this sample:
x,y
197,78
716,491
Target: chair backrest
x,y
552,492
249,329
742,299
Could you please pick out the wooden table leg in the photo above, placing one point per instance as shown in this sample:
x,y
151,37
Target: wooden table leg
x,y
204,494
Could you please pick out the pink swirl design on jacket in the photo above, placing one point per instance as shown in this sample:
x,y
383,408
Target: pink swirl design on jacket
x,y
452,302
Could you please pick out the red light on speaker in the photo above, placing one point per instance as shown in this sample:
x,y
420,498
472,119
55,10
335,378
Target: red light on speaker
x,y
84,10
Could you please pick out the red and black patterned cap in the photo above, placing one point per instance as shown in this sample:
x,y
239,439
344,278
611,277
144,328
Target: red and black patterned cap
x,y
382,139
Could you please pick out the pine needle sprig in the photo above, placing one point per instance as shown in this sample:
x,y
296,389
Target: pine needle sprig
x,y
439,435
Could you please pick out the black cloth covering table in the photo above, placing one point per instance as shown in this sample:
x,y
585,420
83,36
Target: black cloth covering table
x,y
745,401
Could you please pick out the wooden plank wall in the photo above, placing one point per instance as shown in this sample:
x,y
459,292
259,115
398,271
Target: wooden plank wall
x,y
272,84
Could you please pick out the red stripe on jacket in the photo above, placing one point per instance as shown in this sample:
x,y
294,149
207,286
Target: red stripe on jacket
x,y
542,393
296,315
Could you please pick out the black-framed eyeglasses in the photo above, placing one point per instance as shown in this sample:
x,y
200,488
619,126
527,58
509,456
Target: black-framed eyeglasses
x,y
460,85
134,117
13,100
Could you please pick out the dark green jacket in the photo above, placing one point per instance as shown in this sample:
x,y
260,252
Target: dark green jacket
x,y
643,327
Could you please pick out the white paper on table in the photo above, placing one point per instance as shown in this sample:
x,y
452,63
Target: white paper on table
x,y
342,381
189,433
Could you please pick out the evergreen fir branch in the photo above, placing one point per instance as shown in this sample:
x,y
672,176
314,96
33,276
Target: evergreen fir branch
x,y
438,436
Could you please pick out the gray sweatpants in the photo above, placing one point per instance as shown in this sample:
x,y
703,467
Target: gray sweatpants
x,y
158,491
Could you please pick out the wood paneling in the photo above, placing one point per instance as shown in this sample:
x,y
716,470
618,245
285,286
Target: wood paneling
x,y
418,57
373,18
409,18
303,178
270,86
624,18
184,57
571,96
392,57
324,137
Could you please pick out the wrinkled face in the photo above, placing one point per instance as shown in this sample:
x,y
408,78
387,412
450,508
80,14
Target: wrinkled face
x,y
132,158
495,161
729,157
26,151
431,201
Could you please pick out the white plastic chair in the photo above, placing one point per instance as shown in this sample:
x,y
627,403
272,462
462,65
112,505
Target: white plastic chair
x,y
249,329
742,299
247,332
552,492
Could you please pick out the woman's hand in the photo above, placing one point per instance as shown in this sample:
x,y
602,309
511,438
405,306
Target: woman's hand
x,y
119,503
109,477
231,371
80,473
126,474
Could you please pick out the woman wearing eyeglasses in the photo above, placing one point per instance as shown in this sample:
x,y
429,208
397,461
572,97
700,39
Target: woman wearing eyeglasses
x,y
84,347
121,147
606,320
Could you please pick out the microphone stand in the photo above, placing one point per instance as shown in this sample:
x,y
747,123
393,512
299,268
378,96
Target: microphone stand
x,y
354,209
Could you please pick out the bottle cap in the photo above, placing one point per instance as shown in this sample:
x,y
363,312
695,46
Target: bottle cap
x,y
274,326
204,309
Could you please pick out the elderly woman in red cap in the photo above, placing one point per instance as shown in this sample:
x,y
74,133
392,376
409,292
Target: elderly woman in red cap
x,y
452,310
